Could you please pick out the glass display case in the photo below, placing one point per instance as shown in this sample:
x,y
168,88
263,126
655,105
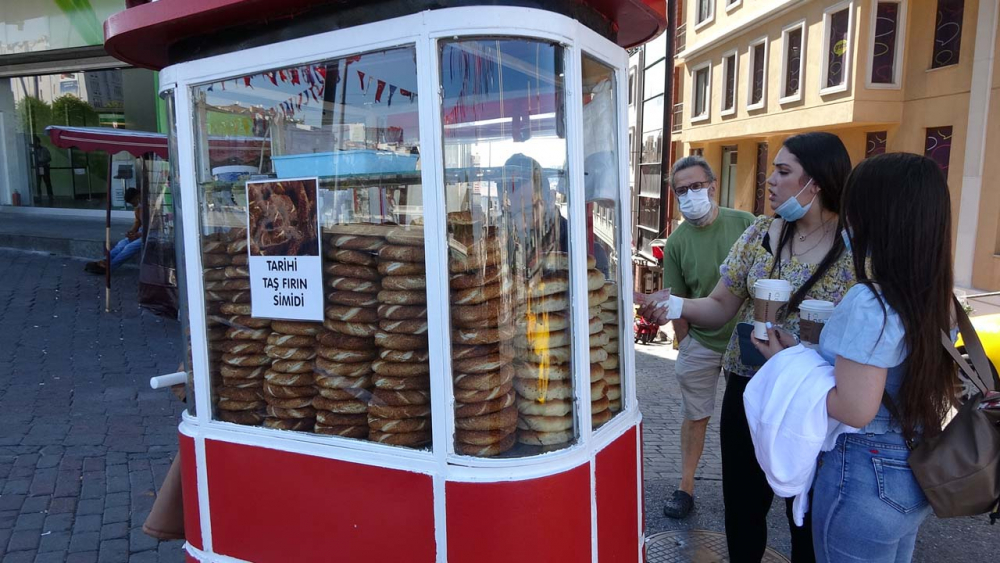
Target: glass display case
x,y
405,259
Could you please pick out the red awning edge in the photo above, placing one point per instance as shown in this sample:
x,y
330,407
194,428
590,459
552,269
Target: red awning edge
x,y
109,140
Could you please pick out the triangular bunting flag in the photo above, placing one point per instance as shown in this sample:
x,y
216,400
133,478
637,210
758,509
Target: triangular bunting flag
x,y
379,90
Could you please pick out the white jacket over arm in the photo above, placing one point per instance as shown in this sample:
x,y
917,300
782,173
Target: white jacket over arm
x,y
786,410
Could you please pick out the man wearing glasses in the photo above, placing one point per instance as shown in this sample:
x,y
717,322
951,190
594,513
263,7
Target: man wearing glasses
x,y
691,262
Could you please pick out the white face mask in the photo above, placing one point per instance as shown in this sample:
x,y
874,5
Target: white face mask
x,y
695,204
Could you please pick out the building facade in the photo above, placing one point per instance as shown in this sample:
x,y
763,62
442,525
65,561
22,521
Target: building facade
x,y
54,71
885,75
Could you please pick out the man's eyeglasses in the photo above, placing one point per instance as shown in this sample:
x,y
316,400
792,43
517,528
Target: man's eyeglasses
x,y
694,187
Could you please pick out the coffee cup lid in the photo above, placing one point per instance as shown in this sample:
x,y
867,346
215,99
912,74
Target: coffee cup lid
x,y
773,284
816,305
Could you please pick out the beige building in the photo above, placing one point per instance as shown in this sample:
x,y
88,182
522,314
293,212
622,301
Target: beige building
x,y
896,75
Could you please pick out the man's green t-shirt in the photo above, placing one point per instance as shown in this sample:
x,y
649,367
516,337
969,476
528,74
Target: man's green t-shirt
x,y
691,261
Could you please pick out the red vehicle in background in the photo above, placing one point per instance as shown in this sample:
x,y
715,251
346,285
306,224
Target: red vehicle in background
x,y
645,331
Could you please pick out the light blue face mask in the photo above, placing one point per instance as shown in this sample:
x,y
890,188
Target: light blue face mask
x,y
792,210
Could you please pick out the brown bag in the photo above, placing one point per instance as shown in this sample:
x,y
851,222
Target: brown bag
x,y
959,469
166,519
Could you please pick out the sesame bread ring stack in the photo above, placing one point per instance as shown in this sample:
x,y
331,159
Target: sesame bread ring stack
x,y
400,417
543,379
241,340
345,348
599,403
608,316
399,405
482,353
289,384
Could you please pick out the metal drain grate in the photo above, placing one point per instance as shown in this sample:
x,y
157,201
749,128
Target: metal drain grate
x,y
695,546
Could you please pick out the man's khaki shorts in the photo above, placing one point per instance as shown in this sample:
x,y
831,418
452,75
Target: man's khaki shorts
x,y
698,370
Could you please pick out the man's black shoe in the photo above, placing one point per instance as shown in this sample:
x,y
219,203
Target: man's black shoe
x,y
679,505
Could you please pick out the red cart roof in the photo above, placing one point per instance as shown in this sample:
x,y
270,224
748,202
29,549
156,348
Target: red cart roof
x,y
144,33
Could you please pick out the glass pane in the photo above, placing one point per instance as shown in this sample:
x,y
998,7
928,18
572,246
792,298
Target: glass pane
x,y
759,65
701,92
875,143
937,146
793,57
948,32
652,114
601,187
173,188
506,192
652,147
730,87
325,331
49,176
884,44
649,212
837,49
28,27
653,82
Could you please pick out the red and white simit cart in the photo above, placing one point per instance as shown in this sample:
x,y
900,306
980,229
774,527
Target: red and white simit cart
x,y
409,310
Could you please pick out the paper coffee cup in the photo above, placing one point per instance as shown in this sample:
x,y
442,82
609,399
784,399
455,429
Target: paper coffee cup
x,y
813,315
768,297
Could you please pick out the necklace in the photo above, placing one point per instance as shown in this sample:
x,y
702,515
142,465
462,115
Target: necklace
x,y
821,225
819,240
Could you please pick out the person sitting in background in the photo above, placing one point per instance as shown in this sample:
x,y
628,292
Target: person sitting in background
x,y
126,247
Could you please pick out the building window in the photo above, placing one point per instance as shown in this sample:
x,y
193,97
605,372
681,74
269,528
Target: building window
x,y
733,4
706,13
730,76
836,47
937,146
875,143
758,74
696,152
884,57
760,179
701,92
793,43
948,32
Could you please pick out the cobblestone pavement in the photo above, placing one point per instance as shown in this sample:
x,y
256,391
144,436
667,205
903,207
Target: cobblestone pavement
x,y
85,441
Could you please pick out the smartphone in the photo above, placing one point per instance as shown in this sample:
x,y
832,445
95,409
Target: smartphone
x,y
749,354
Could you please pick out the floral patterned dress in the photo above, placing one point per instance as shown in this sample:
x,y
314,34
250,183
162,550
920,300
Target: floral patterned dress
x,y
749,261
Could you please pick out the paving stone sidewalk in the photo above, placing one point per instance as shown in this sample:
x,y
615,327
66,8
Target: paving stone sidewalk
x,y
85,441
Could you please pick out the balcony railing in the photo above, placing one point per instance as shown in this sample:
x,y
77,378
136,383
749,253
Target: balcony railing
x,y
677,119
680,39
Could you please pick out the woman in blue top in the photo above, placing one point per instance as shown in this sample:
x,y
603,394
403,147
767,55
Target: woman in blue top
x,y
884,335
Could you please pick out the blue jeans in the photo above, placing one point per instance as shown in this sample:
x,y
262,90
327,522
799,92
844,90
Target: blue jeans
x,y
866,504
124,250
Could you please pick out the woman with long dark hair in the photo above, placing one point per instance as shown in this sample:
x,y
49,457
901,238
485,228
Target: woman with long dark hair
x,y
802,245
885,336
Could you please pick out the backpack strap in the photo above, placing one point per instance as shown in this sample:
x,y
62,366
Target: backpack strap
x,y
982,375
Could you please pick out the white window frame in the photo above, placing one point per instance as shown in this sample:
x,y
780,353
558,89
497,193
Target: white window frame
x,y
785,31
708,92
736,83
733,6
750,64
711,14
827,23
897,71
